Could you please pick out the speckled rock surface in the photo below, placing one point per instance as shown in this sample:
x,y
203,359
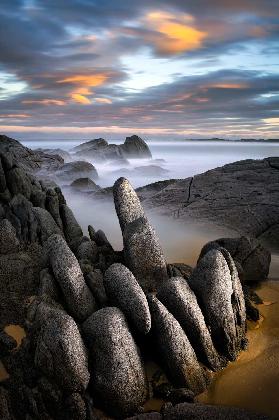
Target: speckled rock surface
x,y
46,224
212,283
60,352
253,258
174,349
87,250
117,373
72,229
8,240
124,292
95,282
126,201
144,255
188,411
67,272
181,301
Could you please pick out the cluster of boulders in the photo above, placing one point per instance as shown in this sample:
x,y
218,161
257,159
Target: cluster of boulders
x,y
94,316
100,150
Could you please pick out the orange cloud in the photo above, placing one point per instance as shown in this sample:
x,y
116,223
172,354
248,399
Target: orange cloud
x,y
15,116
176,33
103,100
229,85
45,102
85,82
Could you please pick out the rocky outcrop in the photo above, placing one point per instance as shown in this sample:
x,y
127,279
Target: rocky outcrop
x,y
143,253
241,196
251,258
175,350
124,292
135,147
222,302
117,372
74,170
67,272
85,185
60,352
214,412
101,150
181,301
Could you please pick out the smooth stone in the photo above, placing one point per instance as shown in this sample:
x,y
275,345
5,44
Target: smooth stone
x,y
124,292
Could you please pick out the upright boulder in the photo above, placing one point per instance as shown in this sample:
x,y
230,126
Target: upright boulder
x,y
127,203
181,301
118,377
143,253
60,353
124,292
212,283
66,270
71,228
175,351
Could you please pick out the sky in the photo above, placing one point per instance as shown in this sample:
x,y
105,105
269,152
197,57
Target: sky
x,y
161,69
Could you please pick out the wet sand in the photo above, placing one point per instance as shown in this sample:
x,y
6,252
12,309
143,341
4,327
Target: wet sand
x,y
18,333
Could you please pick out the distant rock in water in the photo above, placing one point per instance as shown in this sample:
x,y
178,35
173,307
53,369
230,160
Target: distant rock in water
x,y
85,185
79,169
135,147
101,150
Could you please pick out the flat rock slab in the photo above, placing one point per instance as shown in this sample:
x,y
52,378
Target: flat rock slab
x,y
242,196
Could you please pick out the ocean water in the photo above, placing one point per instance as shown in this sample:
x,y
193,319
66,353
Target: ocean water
x,y
180,159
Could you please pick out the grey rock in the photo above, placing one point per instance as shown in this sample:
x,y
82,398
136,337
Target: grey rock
x,y
94,280
117,372
241,195
188,411
8,239
46,224
3,184
85,185
5,404
252,258
135,147
179,270
75,407
100,239
27,225
146,416
48,285
77,169
144,255
52,205
174,349
72,229
87,250
67,272
181,301
124,292
216,290
19,182
60,353
126,201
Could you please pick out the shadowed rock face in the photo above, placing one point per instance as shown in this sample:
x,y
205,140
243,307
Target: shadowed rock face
x,y
175,349
60,352
221,299
181,301
117,373
143,253
253,258
135,147
67,272
124,292
210,412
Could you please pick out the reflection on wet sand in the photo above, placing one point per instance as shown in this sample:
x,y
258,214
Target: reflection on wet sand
x,y
252,381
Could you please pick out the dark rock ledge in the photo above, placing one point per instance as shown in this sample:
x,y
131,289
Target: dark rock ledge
x,y
93,316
